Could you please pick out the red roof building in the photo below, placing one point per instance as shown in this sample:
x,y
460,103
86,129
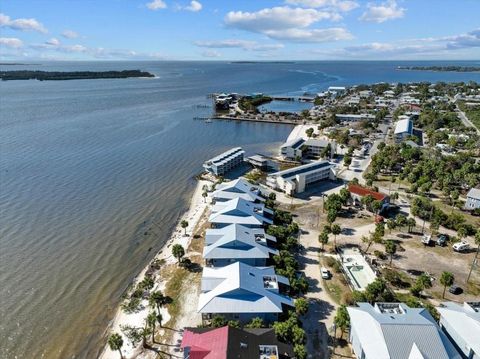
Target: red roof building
x,y
208,345
362,192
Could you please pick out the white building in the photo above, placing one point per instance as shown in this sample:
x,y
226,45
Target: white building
x,y
350,117
242,292
224,162
403,129
461,323
473,199
240,211
239,188
336,90
313,147
295,180
292,149
396,331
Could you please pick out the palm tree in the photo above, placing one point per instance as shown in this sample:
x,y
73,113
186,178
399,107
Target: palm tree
x,y
178,251
184,225
336,229
411,223
323,238
391,249
115,342
152,322
446,279
157,299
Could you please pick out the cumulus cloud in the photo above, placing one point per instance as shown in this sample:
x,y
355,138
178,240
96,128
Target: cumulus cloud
x,y
382,12
11,42
21,24
241,44
53,41
211,53
434,47
289,24
194,6
341,5
69,34
156,5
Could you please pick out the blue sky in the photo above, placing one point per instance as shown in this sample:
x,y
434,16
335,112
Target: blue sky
x,y
239,30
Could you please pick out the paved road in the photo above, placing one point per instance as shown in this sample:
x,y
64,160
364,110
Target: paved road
x,y
465,119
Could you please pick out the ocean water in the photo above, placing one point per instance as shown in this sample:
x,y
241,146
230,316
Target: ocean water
x,y
88,167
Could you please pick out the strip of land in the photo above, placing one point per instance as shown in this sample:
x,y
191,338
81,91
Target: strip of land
x,y
441,68
71,75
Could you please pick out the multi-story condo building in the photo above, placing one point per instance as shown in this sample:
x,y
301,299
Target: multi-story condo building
x,y
225,162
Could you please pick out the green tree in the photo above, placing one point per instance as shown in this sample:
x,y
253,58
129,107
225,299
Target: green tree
x,y
218,321
391,249
323,238
184,225
115,342
341,320
309,132
256,322
157,300
178,252
299,351
331,215
152,323
401,220
376,206
411,223
336,229
391,224
234,324
446,279
301,306
347,160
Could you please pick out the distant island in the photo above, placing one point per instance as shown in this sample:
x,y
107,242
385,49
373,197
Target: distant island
x,y
71,75
441,68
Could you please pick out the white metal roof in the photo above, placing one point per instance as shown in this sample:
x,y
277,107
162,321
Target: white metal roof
x,y
399,335
236,242
474,193
239,211
404,126
239,288
239,188
465,320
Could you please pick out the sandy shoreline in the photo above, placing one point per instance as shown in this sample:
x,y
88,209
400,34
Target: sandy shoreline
x,y
193,215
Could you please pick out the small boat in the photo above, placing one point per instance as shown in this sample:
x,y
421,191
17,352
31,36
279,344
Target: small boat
x,y
208,120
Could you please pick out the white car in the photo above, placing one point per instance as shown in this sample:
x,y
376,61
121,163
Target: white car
x,y
325,273
461,246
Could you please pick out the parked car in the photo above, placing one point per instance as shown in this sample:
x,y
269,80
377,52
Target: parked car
x,y
461,246
442,240
325,273
427,240
455,289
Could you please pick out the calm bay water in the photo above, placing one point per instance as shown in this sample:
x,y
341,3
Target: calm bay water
x,y
87,166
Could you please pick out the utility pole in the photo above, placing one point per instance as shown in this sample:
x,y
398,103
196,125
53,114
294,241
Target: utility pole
x,y
474,263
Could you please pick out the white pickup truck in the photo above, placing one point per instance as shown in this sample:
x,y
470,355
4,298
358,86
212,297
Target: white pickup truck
x,y
461,246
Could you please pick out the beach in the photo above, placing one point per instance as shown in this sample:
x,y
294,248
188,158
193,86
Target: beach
x,y
197,208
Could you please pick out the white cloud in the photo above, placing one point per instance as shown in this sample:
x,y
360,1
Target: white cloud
x,y
69,34
382,12
11,42
311,35
21,24
156,5
341,5
211,53
194,6
241,44
277,18
289,24
53,41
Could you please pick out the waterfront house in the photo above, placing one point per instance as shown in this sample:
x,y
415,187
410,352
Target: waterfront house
x,y
396,331
403,129
233,343
314,147
473,199
461,323
242,292
261,162
239,188
235,242
240,211
296,179
221,164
